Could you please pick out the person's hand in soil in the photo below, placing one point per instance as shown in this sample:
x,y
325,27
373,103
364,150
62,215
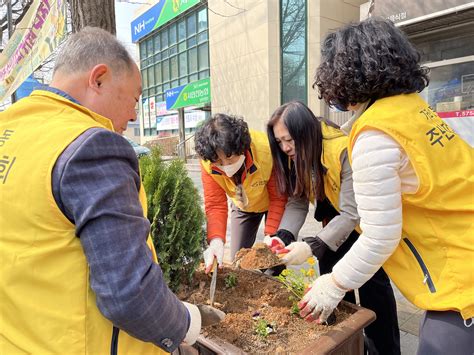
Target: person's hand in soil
x,y
215,250
321,299
295,254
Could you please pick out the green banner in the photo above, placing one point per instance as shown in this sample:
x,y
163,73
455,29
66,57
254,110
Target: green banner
x,y
157,15
192,94
173,8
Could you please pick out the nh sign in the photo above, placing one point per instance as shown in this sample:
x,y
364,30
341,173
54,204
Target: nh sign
x,y
157,15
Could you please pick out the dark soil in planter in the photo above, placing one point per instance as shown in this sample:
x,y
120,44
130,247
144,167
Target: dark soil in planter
x,y
256,297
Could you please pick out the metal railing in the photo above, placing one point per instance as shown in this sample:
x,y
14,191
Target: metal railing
x,y
188,151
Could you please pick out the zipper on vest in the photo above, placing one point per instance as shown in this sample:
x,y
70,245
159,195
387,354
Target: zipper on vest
x,y
427,277
114,343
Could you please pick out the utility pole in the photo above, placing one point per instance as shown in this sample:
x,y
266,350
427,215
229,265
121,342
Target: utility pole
x,y
10,32
182,134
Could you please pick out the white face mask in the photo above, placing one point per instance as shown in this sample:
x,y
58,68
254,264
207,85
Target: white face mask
x,y
231,169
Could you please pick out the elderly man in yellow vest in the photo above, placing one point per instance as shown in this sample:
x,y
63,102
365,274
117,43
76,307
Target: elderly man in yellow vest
x,y
77,275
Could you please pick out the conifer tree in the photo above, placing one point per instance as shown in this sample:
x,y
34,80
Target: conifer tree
x,y
176,216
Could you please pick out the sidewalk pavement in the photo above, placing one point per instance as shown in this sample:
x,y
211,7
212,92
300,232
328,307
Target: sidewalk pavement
x,y
409,316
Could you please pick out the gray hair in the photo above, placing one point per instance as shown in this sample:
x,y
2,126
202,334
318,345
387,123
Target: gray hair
x,y
91,46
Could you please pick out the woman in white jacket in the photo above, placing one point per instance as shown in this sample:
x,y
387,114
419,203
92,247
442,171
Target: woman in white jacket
x,y
415,212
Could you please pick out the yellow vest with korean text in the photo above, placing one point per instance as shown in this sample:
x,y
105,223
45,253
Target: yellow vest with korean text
x,y
433,265
47,304
257,176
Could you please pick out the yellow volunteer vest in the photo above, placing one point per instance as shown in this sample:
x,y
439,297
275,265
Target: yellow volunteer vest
x,y
46,304
433,265
255,183
334,144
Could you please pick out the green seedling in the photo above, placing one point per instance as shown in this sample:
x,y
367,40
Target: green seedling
x,y
297,283
295,310
264,328
230,280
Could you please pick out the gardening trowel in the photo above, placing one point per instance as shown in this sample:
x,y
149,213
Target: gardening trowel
x,y
210,315
213,283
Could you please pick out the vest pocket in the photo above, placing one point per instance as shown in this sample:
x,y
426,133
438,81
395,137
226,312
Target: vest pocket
x,y
114,342
427,277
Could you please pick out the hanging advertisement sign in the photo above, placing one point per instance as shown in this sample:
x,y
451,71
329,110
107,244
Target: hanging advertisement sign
x,y
152,112
462,122
192,94
159,14
161,109
35,38
170,122
402,10
146,113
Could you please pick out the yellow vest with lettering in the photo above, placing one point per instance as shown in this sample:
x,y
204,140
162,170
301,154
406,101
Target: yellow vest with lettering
x,y
433,265
47,305
255,183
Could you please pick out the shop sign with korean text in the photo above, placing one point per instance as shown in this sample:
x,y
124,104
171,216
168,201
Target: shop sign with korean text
x,y
404,10
196,93
159,14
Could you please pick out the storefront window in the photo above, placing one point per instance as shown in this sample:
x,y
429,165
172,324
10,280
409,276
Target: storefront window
x,y
293,50
451,94
202,20
176,54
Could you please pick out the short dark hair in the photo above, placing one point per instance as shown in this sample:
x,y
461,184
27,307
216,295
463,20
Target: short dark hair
x,y
306,178
368,61
222,132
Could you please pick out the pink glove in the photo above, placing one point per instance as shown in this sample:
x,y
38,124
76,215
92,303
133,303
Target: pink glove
x,y
274,243
321,299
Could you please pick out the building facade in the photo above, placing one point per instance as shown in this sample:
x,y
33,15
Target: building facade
x,y
443,32
256,55
248,57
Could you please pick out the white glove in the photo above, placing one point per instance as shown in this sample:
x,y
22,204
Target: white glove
x,y
298,253
215,250
319,302
194,323
274,243
201,315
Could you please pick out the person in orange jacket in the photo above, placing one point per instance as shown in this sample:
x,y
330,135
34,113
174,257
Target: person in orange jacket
x,y
236,163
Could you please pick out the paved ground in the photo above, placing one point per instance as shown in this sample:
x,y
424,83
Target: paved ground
x,y
408,315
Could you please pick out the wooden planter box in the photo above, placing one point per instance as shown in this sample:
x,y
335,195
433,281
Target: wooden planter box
x,y
346,338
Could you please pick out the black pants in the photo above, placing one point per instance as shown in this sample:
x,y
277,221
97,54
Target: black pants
x,y
383,335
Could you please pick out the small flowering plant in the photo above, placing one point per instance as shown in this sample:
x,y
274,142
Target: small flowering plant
x,y
297,282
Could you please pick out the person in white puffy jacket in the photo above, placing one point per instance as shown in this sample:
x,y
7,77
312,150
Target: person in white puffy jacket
x,y
413,181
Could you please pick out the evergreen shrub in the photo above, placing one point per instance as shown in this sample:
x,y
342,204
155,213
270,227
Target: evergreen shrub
x,y
176,217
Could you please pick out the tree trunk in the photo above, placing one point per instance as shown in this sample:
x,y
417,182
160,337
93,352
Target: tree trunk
x,y
95,13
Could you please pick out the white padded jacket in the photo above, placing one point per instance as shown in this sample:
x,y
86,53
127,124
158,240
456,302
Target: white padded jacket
x,y
382,172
